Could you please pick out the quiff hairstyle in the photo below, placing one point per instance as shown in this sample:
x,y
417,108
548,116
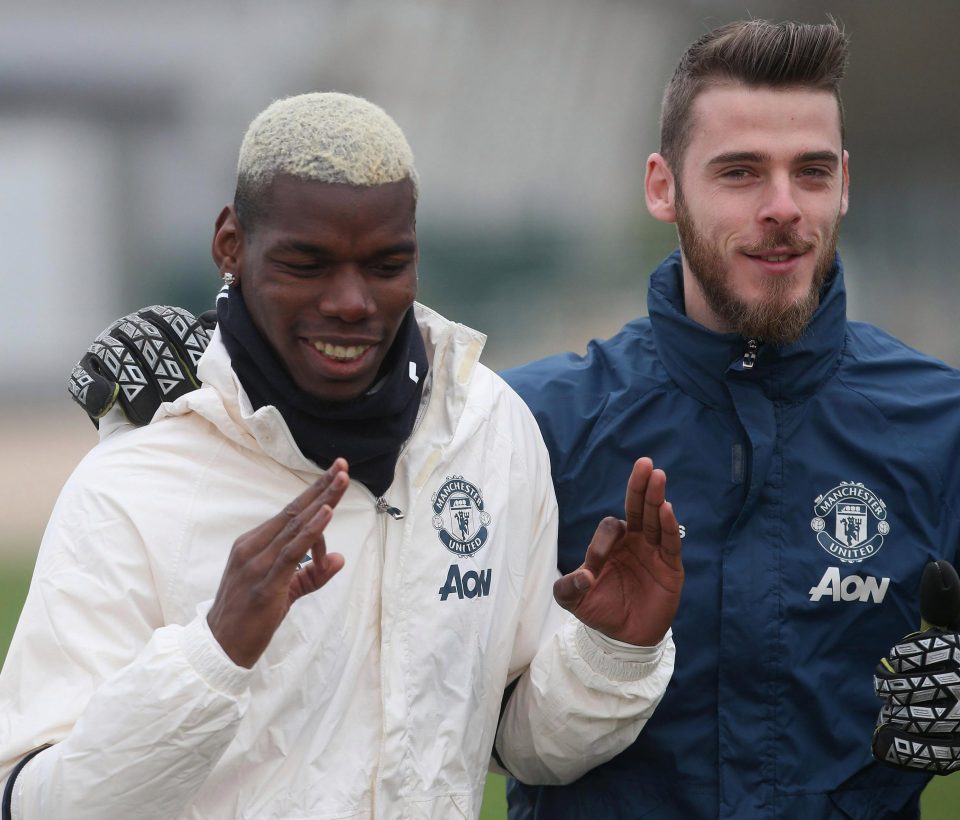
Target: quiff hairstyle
x,y
324,137
755,53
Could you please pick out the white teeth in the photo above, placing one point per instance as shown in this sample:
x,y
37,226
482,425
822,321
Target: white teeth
x,y
774,258
340,352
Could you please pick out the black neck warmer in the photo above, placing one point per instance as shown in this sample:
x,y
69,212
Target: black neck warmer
x,y
367,431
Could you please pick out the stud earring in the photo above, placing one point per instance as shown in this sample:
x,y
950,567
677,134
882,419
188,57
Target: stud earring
x,y
229,279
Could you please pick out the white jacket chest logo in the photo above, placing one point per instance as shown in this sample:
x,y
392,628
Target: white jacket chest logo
x,y
850,522
458,516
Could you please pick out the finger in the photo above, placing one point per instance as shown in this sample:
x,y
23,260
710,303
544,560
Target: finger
x,y
333,483
636,491
260,547
187,334
315,574
285,555
652,502
671,546
139,396
608,534
90,389
156,355
568,591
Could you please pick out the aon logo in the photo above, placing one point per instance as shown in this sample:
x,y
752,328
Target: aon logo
x,y
469,585
851,588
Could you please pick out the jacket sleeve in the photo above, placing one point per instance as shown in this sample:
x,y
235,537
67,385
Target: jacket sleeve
x,y
580,698
138,712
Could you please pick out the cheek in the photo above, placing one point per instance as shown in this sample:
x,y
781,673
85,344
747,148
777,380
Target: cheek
x,y
268,310
395,297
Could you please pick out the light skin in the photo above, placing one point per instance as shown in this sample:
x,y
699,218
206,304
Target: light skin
x,y
334,266
764,182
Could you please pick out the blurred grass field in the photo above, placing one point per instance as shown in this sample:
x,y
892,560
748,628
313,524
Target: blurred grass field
x,y
941,800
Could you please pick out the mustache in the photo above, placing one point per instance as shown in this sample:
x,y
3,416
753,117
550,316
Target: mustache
x,y
780,240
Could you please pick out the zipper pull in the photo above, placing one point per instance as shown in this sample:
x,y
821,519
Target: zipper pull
x,y
750,354
383,506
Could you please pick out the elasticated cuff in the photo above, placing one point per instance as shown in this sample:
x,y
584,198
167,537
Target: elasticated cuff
x,y
209,660
616,660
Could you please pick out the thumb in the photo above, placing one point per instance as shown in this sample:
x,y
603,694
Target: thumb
x,y
570,589
940,596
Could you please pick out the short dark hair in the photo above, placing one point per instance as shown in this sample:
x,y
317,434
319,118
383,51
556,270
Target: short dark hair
x,y
755,53
247,202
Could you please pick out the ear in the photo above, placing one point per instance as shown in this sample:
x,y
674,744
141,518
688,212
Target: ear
x,y
660,189
845,196
227,245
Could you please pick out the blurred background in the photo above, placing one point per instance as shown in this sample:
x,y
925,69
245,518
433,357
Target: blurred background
x,y
531,121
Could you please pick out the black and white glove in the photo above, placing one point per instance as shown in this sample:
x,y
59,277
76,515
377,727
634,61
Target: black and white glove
x,y
140,361
919,683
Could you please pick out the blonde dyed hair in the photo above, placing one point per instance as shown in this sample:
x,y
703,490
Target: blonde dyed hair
x,y
324,137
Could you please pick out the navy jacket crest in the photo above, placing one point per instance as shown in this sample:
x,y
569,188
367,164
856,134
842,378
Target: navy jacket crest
x,y
812,487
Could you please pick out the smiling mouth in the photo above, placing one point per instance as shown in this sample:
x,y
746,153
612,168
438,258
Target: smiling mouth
x,y
341,353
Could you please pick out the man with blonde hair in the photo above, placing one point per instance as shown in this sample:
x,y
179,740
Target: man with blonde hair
x,y
159,673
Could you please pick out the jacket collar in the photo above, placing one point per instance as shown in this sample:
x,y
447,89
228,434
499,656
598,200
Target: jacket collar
x,y
700,360
453,351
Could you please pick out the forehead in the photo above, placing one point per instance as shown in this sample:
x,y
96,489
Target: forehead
x,y
328,212
771,121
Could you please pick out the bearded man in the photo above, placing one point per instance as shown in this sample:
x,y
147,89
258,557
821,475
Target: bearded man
x,y
813,461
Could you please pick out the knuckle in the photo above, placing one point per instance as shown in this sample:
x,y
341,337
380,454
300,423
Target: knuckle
x,y
610,524
291,511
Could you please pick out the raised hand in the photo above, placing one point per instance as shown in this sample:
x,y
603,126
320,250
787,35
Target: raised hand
x,y
264,574
628,586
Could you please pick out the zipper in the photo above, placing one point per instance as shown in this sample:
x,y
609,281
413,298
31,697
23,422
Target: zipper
x,y
383,506
750,354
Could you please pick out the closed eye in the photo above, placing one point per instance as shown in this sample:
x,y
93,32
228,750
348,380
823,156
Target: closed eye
x,y
390,267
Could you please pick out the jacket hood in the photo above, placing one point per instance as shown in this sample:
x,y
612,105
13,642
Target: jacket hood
x,y
453,351
699,359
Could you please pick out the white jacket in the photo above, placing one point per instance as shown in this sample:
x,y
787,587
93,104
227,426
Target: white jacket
x,y
380,694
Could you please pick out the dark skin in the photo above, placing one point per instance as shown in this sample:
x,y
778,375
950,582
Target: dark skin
x,y
262,580
327,275
325,265
628,586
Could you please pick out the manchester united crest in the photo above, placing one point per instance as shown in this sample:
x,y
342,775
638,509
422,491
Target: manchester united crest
x,y
850,522
459,517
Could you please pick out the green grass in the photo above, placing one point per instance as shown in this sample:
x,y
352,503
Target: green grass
x,y
14,580
941,800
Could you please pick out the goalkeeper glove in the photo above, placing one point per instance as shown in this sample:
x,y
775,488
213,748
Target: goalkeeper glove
x,y
140,361
919,683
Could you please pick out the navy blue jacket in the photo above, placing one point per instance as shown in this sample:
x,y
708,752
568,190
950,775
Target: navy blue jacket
x,y
812,489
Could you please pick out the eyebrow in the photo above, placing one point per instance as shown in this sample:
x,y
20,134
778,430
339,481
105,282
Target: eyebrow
x,y
310,249
758,156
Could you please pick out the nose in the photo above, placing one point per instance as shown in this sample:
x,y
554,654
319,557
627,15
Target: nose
x,y
779,205
346,295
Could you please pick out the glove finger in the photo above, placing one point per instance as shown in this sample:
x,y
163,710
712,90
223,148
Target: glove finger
x,y
919,687
137,395
208,320
188,334
89,388
939,718
927,650
158,361
916,752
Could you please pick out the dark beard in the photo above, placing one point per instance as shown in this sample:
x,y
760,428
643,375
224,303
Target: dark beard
x,y
776,318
